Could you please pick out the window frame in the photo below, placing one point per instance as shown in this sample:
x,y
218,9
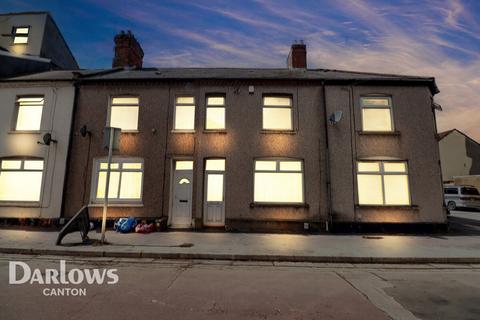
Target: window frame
x,y
16,113
369,107
291,107
111,105
22,169
175,104
277,170
224,106
14,35
95,178
382,174
216,171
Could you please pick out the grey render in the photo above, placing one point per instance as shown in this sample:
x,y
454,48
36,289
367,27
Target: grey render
x,y
329,152
46,48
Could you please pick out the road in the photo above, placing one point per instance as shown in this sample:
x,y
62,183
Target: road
x,y
171,289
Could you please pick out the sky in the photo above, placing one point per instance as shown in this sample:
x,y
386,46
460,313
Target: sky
x,y
439,38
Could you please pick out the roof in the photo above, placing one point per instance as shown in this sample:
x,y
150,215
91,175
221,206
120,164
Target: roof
x,y
442,135
121,74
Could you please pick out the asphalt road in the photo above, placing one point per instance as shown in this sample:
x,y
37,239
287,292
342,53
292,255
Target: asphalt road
x,y
168,289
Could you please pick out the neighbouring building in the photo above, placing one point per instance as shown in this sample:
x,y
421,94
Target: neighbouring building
x,y
32,169
459,155
256,149
31,42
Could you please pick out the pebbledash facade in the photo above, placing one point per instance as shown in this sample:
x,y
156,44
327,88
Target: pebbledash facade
x,y
258,149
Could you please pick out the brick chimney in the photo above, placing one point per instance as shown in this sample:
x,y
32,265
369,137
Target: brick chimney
x,y
297,58
128,52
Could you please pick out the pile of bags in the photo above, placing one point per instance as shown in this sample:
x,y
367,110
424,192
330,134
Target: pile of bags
x,y
126,225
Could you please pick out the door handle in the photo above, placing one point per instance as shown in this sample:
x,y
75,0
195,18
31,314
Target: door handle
x,y
183,201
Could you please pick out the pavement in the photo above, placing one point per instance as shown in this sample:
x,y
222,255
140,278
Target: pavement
x,y
217,289
327,248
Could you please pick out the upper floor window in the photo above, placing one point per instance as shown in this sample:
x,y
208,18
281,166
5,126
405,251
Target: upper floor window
x,y
124,113
382,183
215,115
376,114
278,181
20,35
184,118
21,179
29,113
126,180
277,113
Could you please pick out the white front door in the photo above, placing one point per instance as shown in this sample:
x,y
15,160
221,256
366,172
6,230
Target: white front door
x,y
181,213
214,202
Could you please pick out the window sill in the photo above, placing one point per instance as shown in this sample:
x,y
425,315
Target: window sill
x,y
219,131
264,131
117,205
130,131
379,133
278,205
21,204
388,207
182,131
24,132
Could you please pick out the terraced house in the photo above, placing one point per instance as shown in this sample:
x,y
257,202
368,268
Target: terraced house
x,y
256,149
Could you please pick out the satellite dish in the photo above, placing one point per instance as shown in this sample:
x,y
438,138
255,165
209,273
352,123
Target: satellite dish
x,y
47,139
335,117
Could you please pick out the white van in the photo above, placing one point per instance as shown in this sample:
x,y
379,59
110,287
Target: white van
x,y
461,197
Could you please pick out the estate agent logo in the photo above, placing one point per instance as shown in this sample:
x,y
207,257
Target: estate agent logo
x,y
21,273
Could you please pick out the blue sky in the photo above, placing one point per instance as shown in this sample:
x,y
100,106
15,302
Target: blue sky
x,y
438,38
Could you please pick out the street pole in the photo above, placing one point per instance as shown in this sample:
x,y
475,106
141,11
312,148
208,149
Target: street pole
x,y
107,186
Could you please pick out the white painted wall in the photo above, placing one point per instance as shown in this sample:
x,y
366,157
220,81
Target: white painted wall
x,y
56,119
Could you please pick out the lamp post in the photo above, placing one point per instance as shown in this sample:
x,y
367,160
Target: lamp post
x,y
111,140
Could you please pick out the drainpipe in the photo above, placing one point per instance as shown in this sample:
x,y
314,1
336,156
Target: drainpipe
x,y
327,162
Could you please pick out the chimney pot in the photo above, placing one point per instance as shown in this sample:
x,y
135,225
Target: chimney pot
x,y
128,52
297,58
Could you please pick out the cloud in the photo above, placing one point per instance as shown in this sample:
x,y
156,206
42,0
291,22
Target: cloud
x,y
434,38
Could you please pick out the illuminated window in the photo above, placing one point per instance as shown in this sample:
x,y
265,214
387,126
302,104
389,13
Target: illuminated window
x,y
29,113
277,113
126,180
376,114
215,117
214,172
20,35
21,180
278,181
124,113
383,183
184,113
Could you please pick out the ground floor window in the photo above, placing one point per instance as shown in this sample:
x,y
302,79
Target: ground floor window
x,y
383,183
21,179
126,180
278,181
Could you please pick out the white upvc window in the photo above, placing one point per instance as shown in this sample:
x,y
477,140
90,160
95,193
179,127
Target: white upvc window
x,y
277,113
377,114
383,183
20,35
278,181
124,113
29,113
126,180
184,117
215,113
215,172
21,180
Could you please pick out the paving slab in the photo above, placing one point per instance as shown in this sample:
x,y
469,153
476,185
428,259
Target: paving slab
x,y
391,249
